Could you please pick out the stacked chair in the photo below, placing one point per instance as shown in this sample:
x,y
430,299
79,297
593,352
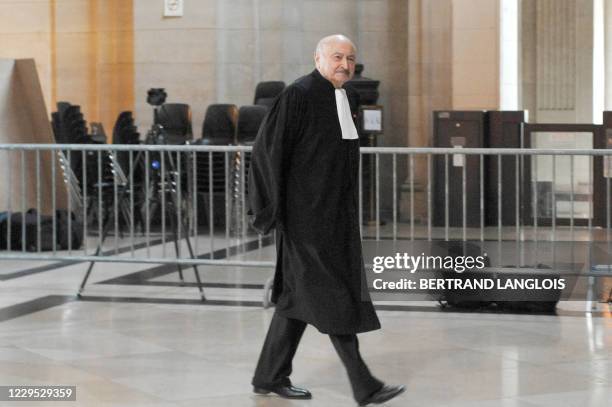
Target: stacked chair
x,y
171,126
266,92
225,124
91,173
175,119
125,132
218,129
249,121
223,174
69,127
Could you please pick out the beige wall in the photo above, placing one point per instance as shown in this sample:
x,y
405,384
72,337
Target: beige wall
x,y
430,70
608,54
104,55
219,50
475,43
93,57
25,32
557,60
427,54
174,53
384,48
82,49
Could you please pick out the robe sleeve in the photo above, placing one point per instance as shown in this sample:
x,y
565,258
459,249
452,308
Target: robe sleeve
x,y
269,159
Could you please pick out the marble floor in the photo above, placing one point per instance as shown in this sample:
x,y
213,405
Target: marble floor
x,y
141,337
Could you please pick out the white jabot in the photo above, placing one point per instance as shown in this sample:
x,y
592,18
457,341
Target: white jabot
x,y
349,132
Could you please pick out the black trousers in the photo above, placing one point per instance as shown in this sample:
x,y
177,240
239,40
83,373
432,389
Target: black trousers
x,y
275,361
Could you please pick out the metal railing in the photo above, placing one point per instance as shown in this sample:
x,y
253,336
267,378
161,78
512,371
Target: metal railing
x,y
186,205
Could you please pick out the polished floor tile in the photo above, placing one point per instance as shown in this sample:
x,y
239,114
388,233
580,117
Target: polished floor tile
x,y
141,339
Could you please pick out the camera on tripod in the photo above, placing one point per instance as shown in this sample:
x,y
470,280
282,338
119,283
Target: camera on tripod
x,y
167,170
156,96
171,121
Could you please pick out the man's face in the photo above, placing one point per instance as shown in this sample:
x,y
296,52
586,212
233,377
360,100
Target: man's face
x,y
336,62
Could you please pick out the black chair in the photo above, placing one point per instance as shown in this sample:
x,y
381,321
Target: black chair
x,y
68,124
70,127
220,123
175,118
249,120
125,131
218,129
176,129
57,129
266,92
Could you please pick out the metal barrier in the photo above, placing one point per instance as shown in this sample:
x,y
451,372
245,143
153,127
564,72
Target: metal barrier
x,y
186,205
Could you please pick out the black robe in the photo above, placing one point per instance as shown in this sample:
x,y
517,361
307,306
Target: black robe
x,y
303,181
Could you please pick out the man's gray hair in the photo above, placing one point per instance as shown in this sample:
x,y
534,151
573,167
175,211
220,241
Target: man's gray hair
x,y
324,42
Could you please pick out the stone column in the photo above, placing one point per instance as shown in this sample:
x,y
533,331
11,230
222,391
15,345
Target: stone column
x,y
476,40
557,59
429,88
608,53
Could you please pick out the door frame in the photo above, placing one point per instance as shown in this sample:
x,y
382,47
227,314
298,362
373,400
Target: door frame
x,y
598,192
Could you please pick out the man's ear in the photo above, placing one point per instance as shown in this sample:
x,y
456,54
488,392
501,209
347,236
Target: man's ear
x,y
316,59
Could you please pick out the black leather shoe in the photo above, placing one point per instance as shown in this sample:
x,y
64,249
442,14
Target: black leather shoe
x,y
287,392
386,393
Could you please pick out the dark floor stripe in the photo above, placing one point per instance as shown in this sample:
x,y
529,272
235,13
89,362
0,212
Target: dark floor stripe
x,y
54,266
142,277
191,284
30,307
36,270
145,300
50,301
405,308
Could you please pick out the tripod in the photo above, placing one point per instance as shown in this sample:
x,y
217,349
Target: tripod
x,y
156,135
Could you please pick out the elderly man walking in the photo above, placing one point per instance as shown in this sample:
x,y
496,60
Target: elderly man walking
x,y
304,182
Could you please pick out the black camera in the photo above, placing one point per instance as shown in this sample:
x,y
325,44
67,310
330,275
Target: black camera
x,y
156,96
